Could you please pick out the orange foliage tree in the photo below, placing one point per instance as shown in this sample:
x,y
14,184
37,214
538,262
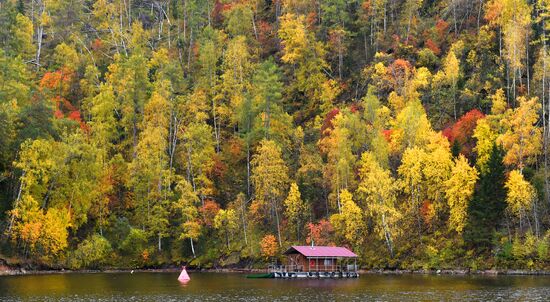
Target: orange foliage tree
x,y
208,212
269,246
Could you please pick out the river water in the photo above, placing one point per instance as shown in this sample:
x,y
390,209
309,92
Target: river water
x,y
235,287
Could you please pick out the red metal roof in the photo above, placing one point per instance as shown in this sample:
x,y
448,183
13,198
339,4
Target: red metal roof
x,y
321,251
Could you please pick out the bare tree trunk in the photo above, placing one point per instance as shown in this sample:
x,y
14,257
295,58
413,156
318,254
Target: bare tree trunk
x,y
254,26
340,62
365,46
536,218
192,247
247,168
243,217
16,204
385,17
479,13
527,61
278,225
216,126
39,32
453,3
160,243
387,235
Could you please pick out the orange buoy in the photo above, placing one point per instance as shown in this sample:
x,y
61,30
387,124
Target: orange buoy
x,y
184,277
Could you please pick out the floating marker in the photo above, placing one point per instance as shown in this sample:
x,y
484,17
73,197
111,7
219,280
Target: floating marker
x,y
184,277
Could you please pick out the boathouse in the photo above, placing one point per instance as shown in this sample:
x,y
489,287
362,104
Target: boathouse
x,y
317,261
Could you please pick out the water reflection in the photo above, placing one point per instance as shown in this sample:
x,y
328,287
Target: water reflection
x,y
231,287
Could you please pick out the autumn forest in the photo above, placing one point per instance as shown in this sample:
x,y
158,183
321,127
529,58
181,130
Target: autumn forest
x,y
216,133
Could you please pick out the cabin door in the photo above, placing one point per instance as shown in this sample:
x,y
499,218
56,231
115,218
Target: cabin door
x,y
312,264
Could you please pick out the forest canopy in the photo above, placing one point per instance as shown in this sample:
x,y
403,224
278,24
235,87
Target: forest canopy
x,y
219,132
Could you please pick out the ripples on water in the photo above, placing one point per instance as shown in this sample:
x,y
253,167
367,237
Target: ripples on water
x,y
234,287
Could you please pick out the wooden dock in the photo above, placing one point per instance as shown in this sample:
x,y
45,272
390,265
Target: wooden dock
x,y
315,275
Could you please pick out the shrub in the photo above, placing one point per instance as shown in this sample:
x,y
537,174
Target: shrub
x,y
135,243
92,252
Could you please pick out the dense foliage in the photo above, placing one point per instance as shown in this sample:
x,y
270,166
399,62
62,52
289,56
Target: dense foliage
x,y
219,132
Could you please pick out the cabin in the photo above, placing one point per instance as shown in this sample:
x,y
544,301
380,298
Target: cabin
x,y
317,262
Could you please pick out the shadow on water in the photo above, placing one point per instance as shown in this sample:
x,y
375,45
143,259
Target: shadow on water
x,y
231,287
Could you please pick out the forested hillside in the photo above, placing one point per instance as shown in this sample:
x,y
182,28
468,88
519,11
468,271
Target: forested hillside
x,y
218,132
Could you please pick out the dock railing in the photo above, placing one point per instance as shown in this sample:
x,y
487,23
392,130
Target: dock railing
x,y
274,268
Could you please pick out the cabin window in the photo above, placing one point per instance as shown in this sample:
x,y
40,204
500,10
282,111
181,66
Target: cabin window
x,y
328,262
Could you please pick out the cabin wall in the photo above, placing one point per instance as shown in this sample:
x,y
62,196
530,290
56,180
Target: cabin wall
x,y
322,265
297,261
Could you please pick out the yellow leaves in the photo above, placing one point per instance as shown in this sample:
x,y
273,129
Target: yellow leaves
x,y
195,105
451,68
54,232
490,129
396,101
501,12
411,169
37,164
269,172
423,170
337,145
151,148
103,10
437,169
514,17
302,49
521,193
22,36
156,113
66,56
485,137
226,220
421,78
523,139
377,191
293,37
187,206
44,231
380,69
450,74
329,91
139,36
237,65
459,190
160,58
295,207
498,101
411,127
349,222
45,19
191,229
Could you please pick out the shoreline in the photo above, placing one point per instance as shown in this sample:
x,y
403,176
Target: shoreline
x,y
4,271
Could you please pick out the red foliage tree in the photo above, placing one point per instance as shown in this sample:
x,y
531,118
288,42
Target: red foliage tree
x,y
327,123
461,132
430,44
441,27
321,233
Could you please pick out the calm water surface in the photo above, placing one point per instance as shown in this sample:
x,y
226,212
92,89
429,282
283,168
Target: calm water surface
x,y
235,287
